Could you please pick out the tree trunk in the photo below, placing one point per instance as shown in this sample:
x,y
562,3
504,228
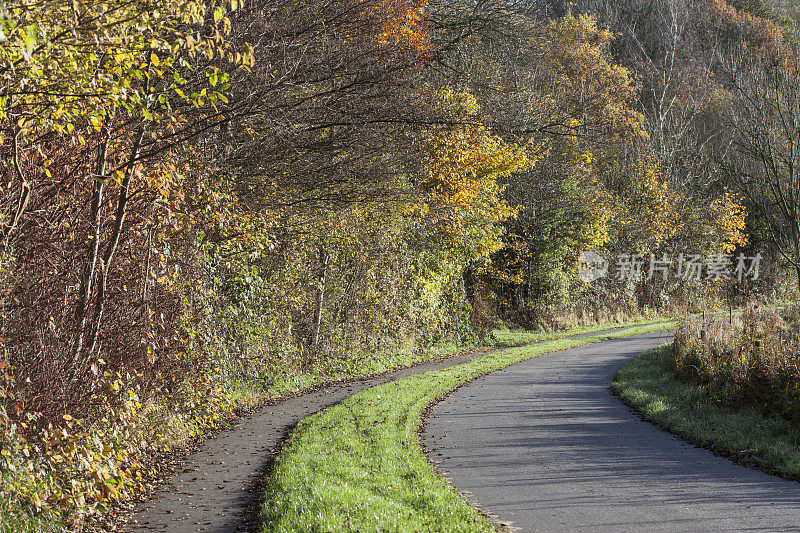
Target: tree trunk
x,y
24,196
317,325
108,257
797,270
87,280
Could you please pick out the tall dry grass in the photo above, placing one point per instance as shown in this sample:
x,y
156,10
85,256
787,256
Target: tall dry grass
x,y
751,361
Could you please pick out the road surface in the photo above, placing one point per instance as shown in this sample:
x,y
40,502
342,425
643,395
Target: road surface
x,y
545,446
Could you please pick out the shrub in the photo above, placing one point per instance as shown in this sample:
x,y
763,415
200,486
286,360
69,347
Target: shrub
x,y
753,361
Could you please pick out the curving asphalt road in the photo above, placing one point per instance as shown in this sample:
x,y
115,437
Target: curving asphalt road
x,y
217,488
545,446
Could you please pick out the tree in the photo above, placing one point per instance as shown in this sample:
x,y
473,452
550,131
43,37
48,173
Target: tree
x,y
576,103
90,94
763,154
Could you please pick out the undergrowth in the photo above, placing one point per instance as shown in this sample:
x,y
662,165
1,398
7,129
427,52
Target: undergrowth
x,y
753,360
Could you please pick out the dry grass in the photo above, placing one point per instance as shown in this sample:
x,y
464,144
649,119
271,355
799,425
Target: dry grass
x,y
753,361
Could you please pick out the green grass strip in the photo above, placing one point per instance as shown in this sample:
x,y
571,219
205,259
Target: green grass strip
x,y
688,410
358,465
505,337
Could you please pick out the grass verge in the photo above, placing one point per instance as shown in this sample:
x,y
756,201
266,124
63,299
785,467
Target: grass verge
x,y
690,411
358,465
507,337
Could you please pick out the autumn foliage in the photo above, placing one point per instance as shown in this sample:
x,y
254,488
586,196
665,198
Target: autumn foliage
x,y
402,23
205,204
760,34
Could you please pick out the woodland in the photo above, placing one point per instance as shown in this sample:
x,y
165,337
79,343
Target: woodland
x,y
204,203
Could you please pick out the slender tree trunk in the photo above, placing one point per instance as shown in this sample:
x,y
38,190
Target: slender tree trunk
x,y
797,270
797,258
24,196
111,248
317,325
146,275
87,279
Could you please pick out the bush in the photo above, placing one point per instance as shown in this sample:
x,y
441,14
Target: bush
x,y
753,361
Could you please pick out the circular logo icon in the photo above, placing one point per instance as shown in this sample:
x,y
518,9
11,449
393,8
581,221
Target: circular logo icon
x,y
591,266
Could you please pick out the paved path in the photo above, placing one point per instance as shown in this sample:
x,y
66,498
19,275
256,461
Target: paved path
x,y
544,445
218,487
